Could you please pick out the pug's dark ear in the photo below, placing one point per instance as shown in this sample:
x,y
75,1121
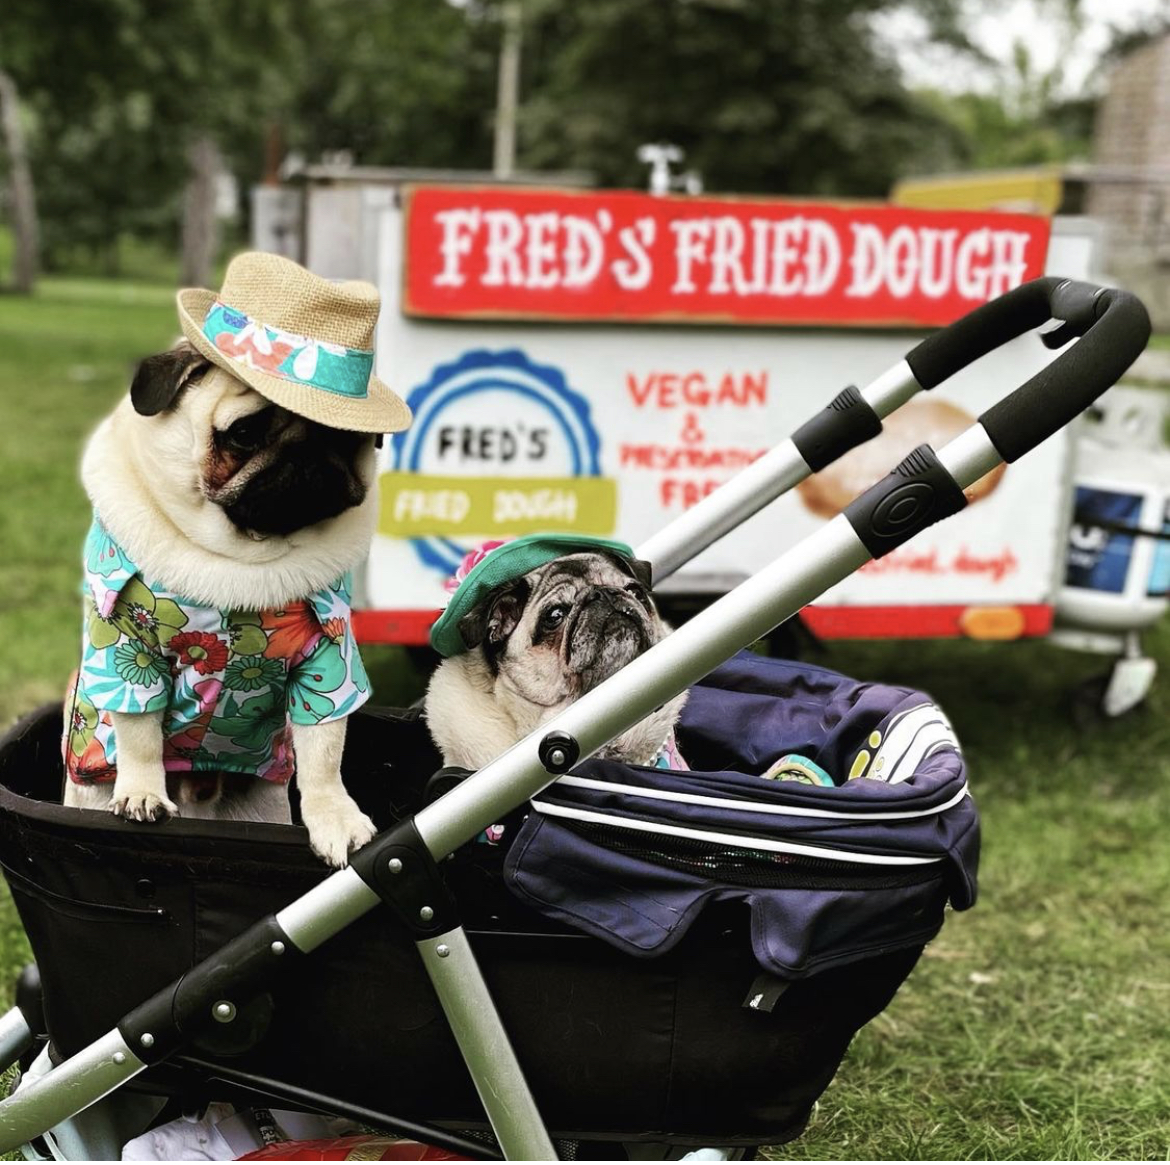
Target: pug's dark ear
x,y
637,568
159,379
643,572
494,620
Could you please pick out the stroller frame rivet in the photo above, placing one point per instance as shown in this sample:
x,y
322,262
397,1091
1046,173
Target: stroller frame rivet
x,y
146,1040
395,865
277,948
426,914
442,950
224,1011
558,752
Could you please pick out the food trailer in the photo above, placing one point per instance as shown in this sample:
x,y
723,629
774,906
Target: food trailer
x,y
599,361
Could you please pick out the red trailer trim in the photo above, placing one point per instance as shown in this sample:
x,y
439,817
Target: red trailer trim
x,y
411,628
972,622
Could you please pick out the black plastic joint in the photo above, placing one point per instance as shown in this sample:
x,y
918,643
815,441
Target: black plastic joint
x,y
1076,305
916,494
399,868
214,994
845,422
558,752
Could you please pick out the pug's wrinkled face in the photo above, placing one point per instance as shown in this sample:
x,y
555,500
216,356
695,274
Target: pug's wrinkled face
x,y
565,627
270,471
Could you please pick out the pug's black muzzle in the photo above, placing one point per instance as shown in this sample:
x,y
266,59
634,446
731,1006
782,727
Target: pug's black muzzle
x,y
610,629
310,483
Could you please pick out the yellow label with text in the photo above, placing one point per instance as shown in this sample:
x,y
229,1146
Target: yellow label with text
x,y
417,505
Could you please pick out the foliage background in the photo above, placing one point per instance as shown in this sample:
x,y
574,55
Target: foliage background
x,y
772,96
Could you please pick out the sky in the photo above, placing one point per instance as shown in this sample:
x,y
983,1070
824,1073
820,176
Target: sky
x,y
997,26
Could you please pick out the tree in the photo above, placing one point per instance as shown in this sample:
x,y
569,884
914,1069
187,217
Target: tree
x,y
93,141
200,234
398,83
769,96
1028,119
783,96
22,195
144,80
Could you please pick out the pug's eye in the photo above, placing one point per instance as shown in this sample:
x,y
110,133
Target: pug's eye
x,y
553,617
639,593
247,434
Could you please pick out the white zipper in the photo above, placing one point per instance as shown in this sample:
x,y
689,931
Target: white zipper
x,y
755,806
731,839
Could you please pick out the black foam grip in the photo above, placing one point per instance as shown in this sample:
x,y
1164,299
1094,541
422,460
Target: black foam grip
x,y
846,421
1061,391
917,493
983,330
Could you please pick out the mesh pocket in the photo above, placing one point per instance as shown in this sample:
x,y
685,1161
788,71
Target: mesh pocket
x,y
762,869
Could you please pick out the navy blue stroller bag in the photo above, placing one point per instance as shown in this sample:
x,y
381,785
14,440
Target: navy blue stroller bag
x,y
830,874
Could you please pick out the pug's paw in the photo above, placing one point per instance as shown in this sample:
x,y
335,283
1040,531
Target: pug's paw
x,y
336,828
142,806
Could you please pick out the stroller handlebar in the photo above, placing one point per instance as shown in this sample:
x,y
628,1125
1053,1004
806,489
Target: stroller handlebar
x,y
1115,328
945,352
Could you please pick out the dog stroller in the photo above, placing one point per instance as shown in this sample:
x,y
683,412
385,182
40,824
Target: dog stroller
x,y
656,956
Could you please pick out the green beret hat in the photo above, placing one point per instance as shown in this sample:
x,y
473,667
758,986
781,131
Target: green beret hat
x,y
496,563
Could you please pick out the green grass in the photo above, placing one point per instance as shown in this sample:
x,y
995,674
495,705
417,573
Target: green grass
x,y
1036,1027
65,355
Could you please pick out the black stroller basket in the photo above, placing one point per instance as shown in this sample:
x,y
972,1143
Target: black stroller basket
x,y
666,1046
679,956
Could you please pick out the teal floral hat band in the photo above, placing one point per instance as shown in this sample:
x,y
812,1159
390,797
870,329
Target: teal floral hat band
x,y
299,359
498,562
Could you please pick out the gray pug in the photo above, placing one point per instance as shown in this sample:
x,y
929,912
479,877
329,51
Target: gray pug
x,y
239,505
536,645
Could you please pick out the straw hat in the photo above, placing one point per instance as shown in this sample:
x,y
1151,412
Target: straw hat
x,y
304,342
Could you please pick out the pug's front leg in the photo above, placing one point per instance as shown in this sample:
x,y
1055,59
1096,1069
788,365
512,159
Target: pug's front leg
x,y
335,823
140,788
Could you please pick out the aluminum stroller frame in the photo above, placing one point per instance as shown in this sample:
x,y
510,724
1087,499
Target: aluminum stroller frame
x,y
400,866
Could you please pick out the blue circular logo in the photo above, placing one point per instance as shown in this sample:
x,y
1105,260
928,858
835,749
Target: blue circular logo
x,y
494,414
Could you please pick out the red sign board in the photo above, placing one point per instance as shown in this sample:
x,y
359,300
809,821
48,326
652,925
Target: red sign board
x,y
493,253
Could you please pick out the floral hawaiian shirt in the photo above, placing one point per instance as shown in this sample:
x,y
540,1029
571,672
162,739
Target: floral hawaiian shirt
x,y
230,682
